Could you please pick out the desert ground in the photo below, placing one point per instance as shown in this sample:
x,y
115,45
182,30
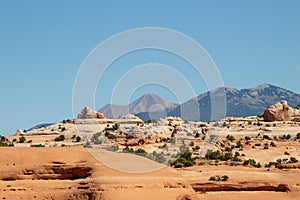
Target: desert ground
x,y
235,158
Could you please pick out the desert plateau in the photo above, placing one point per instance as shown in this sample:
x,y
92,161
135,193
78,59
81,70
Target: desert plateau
x,y
93,157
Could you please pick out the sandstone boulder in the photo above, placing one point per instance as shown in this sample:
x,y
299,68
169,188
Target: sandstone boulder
x,y
88,113
281,111
20,132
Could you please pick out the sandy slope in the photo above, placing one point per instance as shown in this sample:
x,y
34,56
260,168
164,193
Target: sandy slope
x,y
105,183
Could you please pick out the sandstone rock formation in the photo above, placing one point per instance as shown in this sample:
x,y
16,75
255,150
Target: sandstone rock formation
x,y
281,111
129,119
88,113
20,132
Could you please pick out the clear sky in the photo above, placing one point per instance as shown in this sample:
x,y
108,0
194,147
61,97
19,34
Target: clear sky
x,y
43,44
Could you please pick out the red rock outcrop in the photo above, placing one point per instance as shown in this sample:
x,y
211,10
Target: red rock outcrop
x,y
281,111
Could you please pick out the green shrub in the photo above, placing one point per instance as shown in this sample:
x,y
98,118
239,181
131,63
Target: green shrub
x,y
224,178
273,144
59,138
111,136
247,138
116,126
95,138
293,160
266,137
251,162
230,138
22,139
78,139
185,160
239,145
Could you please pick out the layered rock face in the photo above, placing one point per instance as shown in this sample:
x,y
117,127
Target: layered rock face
x,y
281,111
88,113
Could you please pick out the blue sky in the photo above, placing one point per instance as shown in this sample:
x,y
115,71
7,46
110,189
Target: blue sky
x,y
43,44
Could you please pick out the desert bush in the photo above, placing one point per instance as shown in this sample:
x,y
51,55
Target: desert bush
x,y
95,138
37,145
230,138
272,144
78,139
259,124
217,155
111,136
251,162
266,146
293,160
219,178
224,178
59,138
116,126
239,145
286,137
185,160
247,138
298,136
286,153
266,137
22,139
202,125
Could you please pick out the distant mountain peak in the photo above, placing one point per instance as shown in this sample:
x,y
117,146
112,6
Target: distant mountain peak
x,y
147,103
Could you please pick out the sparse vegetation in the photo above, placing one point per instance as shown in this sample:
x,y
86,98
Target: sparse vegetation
x,y
285,137
185,160
95,138
219,178
266,137
252,162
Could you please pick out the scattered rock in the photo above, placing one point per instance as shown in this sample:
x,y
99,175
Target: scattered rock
x,y
88,113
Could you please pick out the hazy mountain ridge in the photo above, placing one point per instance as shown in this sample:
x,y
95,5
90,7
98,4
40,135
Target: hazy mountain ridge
x,y
244,102
146,103
240,103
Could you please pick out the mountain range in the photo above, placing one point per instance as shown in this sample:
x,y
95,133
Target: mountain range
x,y
233,102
